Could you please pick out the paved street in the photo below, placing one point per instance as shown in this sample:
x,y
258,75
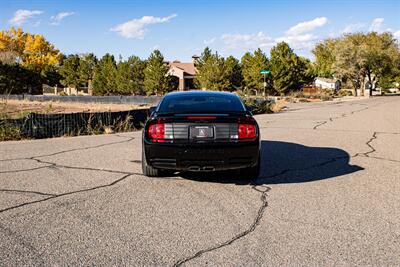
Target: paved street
x,y
329,194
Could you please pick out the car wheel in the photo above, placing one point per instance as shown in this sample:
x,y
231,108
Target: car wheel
x,y
252,172
148,170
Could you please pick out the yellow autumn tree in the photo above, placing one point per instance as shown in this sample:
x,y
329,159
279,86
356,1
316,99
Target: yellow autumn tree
x,y
31,50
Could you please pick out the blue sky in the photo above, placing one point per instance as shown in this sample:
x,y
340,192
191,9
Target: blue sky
x,y
180,28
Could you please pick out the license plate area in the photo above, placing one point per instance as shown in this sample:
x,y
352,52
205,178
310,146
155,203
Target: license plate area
x,y
201,132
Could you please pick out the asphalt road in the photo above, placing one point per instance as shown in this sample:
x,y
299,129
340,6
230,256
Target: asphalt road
x,y
329,194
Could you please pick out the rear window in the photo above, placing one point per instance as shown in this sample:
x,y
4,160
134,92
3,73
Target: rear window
x,y
201,104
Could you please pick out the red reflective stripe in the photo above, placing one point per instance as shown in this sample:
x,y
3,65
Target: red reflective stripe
x,y
201,118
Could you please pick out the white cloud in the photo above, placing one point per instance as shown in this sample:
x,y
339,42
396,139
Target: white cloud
x,y
59,17
376,25
136,28
22,15
307,26
247,41
210,41
300,42
354,27
299,36
397,35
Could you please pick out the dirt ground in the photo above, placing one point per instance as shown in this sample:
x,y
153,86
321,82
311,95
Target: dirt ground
x,y
19,108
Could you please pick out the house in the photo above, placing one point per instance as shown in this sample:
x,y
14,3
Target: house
x,y
326,83
185,72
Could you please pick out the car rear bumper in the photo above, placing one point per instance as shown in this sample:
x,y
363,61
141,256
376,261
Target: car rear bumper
x,y
202,157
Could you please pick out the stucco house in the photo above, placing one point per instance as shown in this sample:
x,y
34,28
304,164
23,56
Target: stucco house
x,y
326,83
185,72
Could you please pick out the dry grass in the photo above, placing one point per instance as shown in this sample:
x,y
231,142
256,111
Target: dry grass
x,y
18,108
277,106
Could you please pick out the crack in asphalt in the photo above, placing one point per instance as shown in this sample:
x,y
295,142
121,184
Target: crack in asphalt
x,y
343,115
66,194
373,149
55,165
264,202
71,150
320,123
26,192
392,160
368,143
52,164
25,170
255,185
250,229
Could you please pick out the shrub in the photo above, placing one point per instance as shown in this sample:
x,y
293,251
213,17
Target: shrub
x,y
259,105
342,93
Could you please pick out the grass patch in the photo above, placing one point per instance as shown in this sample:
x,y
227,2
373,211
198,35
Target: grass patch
x,y
8,130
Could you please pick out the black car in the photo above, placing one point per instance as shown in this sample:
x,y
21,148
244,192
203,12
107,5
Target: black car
x,y
200,131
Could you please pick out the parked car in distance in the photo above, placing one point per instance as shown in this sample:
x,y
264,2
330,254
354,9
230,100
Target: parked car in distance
x,y
200,131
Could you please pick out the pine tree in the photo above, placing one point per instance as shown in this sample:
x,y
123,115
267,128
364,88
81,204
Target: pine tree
x,y
155,74
233,73
87,66
284,66
69,70
211,71
252,64
104,81
130,76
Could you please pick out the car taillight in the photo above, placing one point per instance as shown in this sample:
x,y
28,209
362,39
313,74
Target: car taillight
x,y
157,132
247,131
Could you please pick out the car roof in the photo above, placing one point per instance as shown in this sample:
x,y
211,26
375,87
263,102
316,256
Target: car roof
x,y
201,93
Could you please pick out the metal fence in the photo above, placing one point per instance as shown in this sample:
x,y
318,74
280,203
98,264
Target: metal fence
x,y
53,125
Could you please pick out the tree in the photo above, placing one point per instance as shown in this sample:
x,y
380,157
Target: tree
x,y
306,71
32,50
69,70
233,73
324,58
211,71
51,75
286,68
155,74
251,65
104,81
15,79
87,65
364,57
130,76
32,59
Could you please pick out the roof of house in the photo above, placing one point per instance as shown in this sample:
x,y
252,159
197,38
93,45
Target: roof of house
x,y
328,80
189,68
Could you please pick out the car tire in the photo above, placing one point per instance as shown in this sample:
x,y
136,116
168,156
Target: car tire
x,y
252,172
148,170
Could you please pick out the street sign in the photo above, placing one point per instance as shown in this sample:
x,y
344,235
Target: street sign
x,y
264,72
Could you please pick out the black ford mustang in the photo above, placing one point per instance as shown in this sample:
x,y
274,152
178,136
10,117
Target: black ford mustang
x,y
200,131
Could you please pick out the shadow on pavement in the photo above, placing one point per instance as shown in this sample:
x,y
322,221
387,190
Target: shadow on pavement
x,y
284,162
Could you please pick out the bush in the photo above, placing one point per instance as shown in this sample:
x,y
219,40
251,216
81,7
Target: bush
x,y
342,93
259,105
8,131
